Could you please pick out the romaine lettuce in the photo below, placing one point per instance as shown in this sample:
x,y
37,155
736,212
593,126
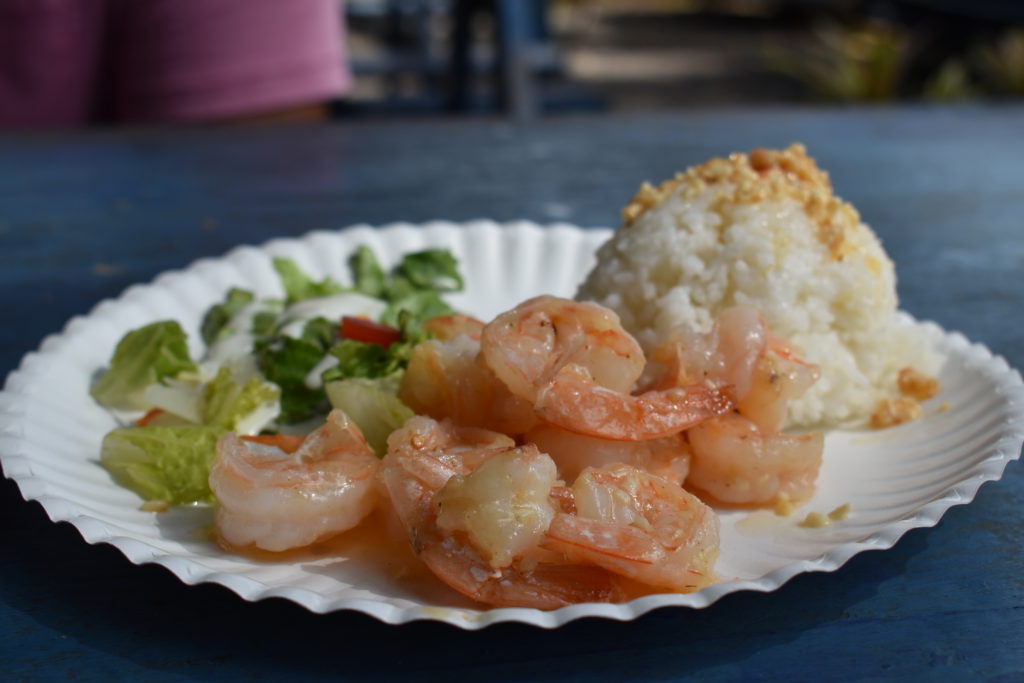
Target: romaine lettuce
x,y
244,406
163,463
372,405
142,357
180,396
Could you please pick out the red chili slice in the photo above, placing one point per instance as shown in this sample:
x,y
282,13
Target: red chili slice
x,y
149,417
363,330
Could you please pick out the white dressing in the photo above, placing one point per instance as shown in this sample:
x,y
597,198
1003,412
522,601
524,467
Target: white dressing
x,y
237,339
313,380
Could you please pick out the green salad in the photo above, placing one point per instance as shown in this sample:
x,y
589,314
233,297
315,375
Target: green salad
x,y
270,366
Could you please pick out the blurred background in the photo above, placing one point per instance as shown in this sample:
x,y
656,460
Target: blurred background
x,y
165,61
531,57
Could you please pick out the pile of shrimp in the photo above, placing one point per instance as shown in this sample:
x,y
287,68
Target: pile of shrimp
x,y
550,462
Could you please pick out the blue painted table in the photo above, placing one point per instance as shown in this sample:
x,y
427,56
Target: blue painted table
x,y
83,215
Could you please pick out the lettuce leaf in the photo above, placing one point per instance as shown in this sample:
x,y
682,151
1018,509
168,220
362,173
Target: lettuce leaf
x,y
163,463
372,405
419,305
217,318
171,462
142,357
415,285
264,323
434,269
360,359
287,361
320,331
244,407
367,275
298,286
180,396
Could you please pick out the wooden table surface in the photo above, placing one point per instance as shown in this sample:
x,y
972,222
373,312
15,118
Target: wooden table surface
x,y
85,214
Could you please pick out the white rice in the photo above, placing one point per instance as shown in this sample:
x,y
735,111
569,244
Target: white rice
x,y
764,230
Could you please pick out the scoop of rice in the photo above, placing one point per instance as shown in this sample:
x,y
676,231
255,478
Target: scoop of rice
x,y
765,230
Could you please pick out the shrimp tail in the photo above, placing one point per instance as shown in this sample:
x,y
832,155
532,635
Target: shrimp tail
x,y
545,586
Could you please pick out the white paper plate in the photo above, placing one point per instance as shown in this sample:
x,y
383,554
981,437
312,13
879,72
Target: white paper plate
x,y
896,480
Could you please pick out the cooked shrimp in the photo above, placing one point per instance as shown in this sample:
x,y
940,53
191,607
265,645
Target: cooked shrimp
x,y
540,586
436,451
447,379
668,457
737,463
502,506
475,512
277,500
448,327
638,525
779,376
527,346
761,371
744,458
577,366
572,400
726,355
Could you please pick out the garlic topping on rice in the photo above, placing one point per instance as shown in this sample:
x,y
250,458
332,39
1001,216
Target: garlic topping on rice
x,y
765,230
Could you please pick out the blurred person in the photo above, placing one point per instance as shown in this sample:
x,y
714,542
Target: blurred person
x,y
79,62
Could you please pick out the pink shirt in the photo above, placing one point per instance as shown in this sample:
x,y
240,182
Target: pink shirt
x,y
75,62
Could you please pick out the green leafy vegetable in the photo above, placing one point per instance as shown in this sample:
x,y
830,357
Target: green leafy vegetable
x,y
320,331
163,463
411,328
419,305
360,359
434,269
298,286
264,324
216,320
244,407
367,275
170,459
372,405
417,284
142,357
287,361
180,396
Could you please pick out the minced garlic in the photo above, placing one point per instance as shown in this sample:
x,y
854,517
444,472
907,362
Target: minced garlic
x,y
763,175
916,384
893,411
819,520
